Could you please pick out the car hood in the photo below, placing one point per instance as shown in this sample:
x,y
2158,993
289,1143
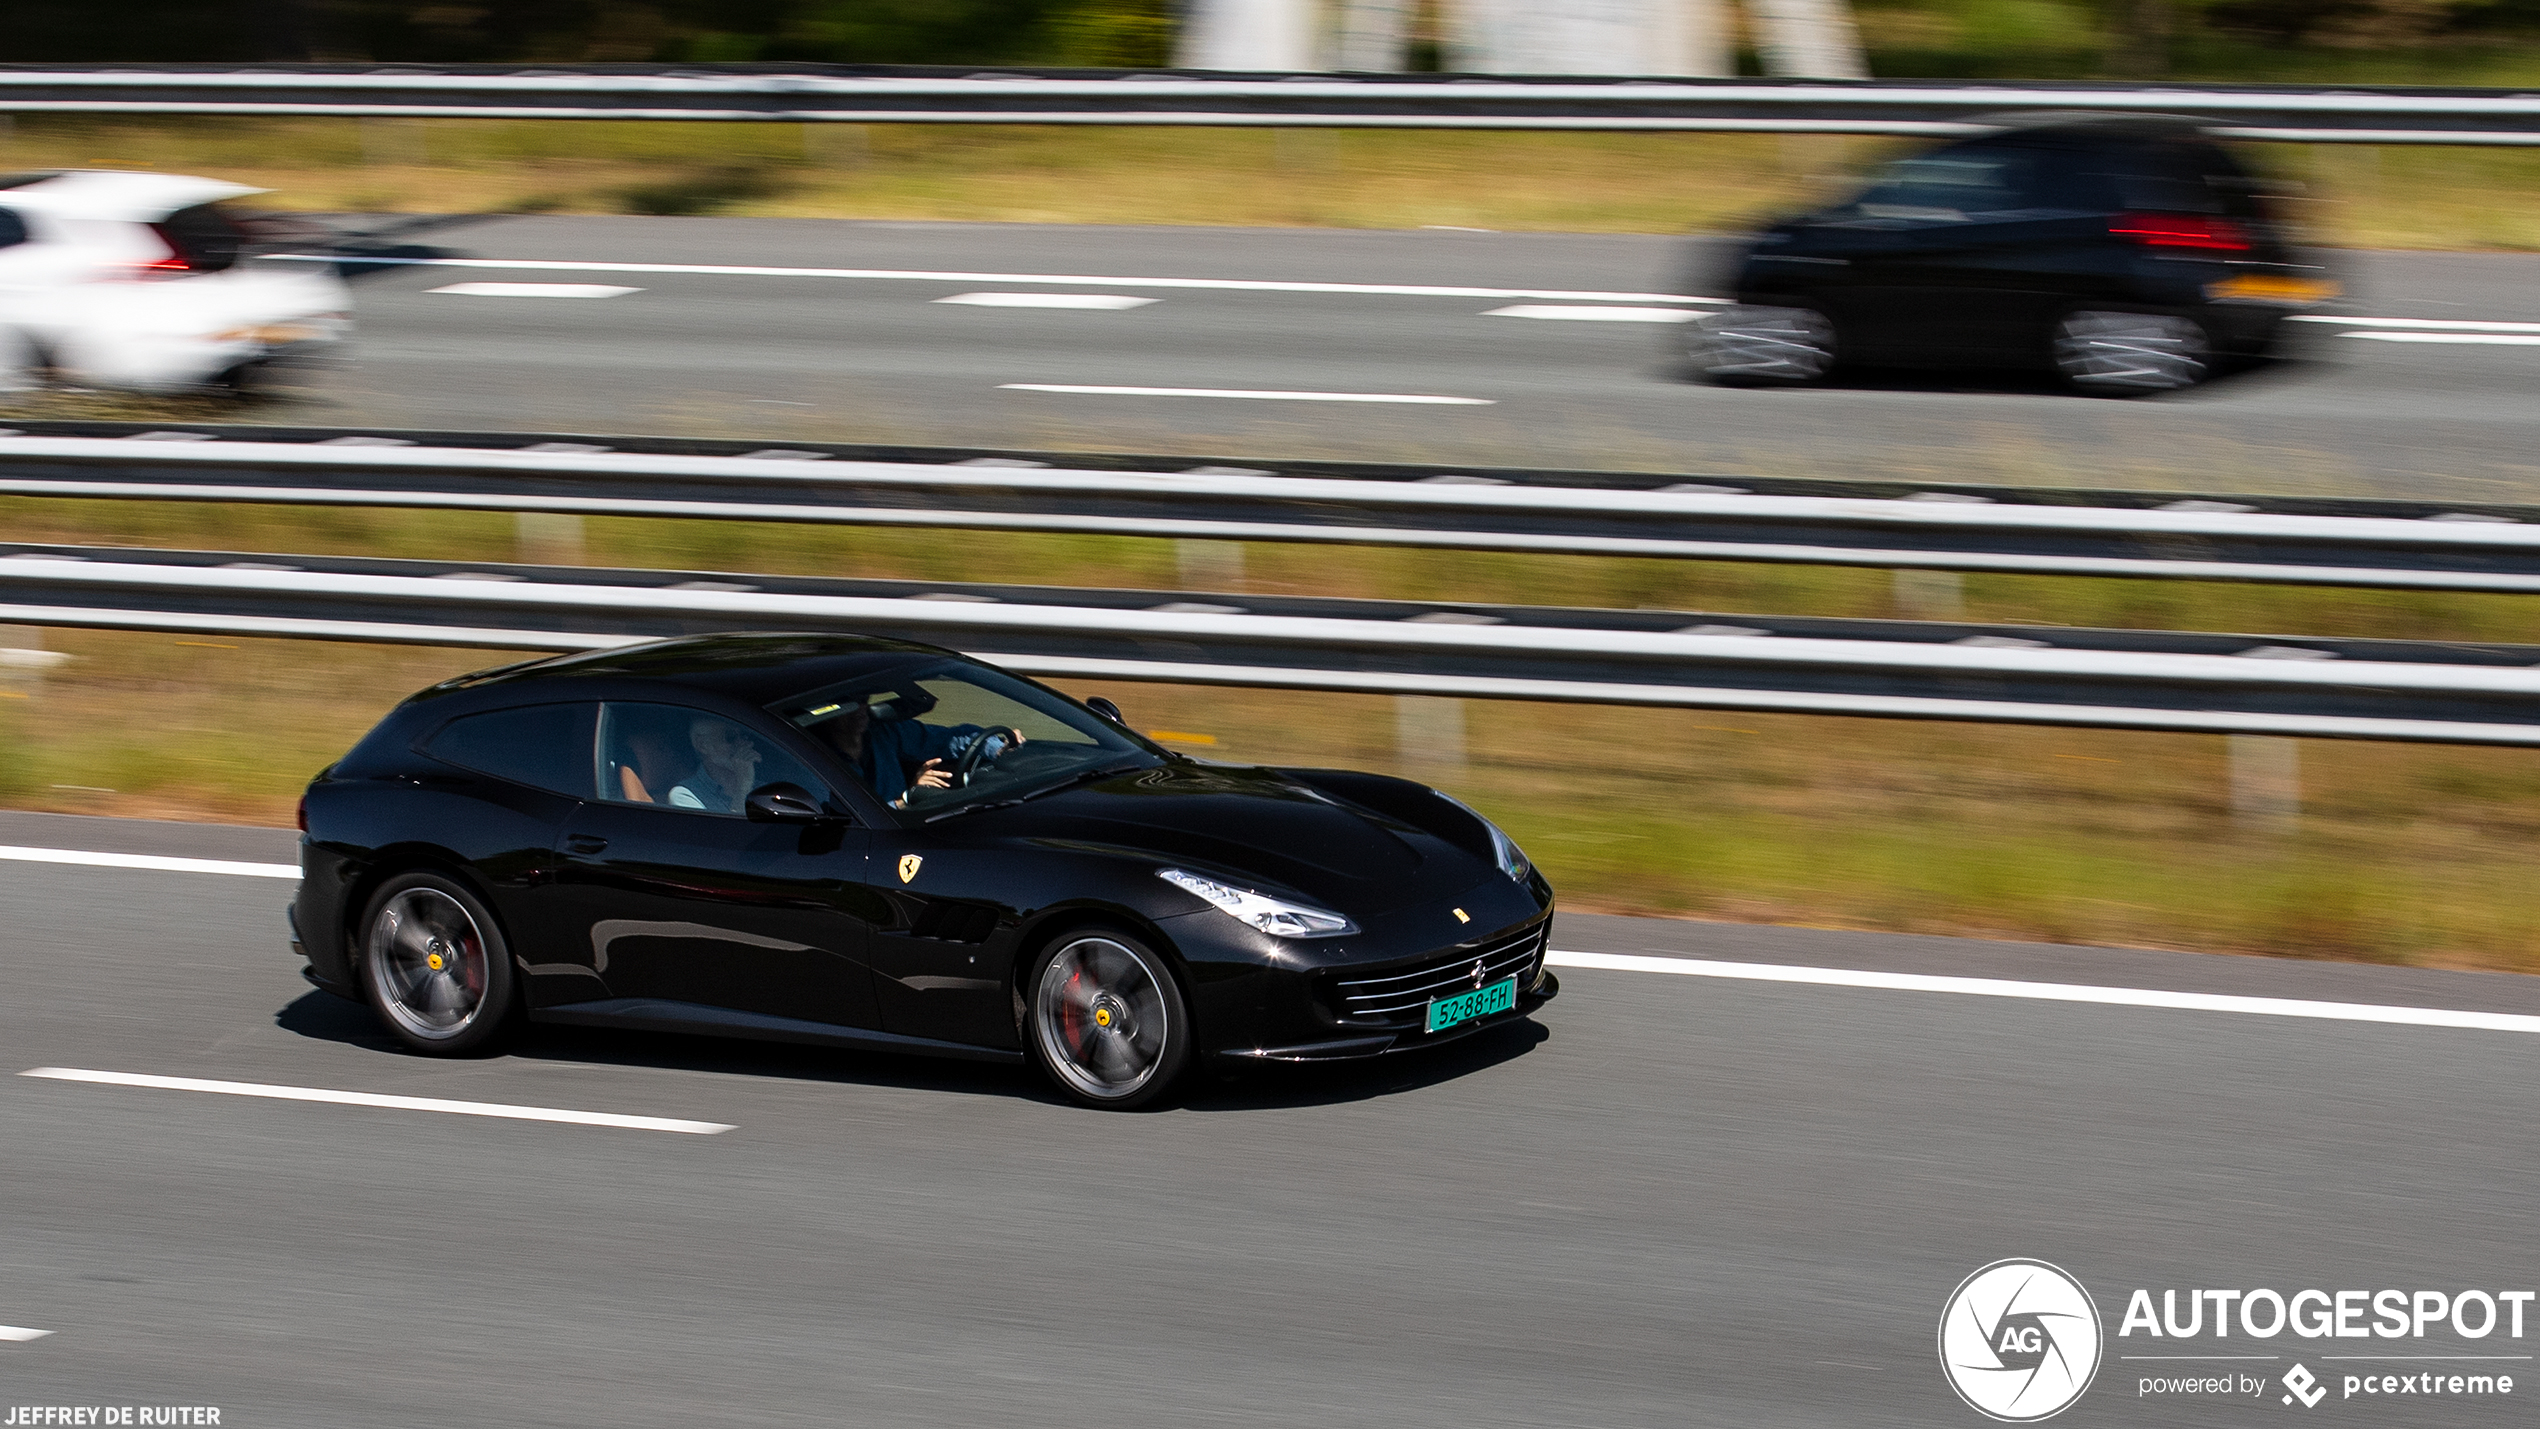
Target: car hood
x,y
1254,827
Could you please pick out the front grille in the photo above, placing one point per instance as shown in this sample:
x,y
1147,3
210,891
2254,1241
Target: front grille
x,y
1394,995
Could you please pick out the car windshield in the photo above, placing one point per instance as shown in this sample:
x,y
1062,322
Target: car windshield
x,y
936,736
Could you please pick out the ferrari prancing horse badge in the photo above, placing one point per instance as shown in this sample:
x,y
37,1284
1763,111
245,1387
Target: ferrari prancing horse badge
x,y
908,866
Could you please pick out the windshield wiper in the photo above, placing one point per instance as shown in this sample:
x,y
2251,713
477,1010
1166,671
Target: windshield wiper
x,y
1082,776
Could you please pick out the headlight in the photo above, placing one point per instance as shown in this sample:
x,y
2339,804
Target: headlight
x,y
1504,850
1271,915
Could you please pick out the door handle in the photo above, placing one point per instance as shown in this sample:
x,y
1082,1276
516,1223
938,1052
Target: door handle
x,y
585,843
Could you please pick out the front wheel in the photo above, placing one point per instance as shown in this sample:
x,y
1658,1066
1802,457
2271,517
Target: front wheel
x,y
1108,1023
434,966
2129,354
1763,346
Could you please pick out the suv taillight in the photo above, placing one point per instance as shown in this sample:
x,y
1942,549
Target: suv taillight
x,y
304,813
2182,230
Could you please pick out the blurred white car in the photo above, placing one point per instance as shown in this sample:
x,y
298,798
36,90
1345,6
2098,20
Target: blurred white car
x,y
147,281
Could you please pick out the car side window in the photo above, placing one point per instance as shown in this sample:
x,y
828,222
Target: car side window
x,y
12,228
1951,185
543,746
682,758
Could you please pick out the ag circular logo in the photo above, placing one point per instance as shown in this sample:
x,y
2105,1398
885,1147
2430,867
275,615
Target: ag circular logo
x,y
2019,1340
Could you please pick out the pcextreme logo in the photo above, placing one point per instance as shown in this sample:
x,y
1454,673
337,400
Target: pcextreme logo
x,y
2019,1340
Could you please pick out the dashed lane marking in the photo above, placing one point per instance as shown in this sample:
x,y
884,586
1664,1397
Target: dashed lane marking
x,y
375,1099
533,290
21,1333
1087,302
1574,313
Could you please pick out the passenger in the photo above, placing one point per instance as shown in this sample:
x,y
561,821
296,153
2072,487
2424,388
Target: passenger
x,y
647,762
726,775
896,756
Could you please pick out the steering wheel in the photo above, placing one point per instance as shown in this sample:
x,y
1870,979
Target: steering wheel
x,y
977,756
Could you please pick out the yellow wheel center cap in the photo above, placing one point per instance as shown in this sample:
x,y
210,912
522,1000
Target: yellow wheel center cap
x,y
432,961
1102,1017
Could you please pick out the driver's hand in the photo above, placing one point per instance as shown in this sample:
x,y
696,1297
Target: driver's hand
x,y
933,775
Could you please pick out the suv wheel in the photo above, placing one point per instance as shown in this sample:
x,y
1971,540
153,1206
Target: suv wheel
x,y
1763,346
2129,354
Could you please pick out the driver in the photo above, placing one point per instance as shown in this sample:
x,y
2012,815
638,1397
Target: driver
x,y
896,756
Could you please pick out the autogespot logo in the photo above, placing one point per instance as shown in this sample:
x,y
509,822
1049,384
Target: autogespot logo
x,y
2019,1340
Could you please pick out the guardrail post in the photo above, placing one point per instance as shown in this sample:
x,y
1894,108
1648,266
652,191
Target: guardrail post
x,y
548,538
23,659
2266,782
1209,565
1429,730
1929,595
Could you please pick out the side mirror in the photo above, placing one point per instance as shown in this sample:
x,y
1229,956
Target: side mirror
x,y
1107,710
782,804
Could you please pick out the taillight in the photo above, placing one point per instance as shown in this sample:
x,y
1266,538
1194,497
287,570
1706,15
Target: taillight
x,y
304,813
2182,230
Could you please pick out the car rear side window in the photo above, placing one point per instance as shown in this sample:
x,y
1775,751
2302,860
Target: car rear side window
x,y
543,746
688,759
205,238
12,228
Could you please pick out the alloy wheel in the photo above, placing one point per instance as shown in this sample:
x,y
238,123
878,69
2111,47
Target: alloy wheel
x,y
1103,1018
428,960
1759,344
2122,354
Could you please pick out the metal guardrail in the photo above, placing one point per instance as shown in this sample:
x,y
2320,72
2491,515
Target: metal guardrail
x,y
2390,545
2389,690
879,95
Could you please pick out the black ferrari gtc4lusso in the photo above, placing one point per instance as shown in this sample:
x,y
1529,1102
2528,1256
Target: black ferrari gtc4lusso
x,y
878,844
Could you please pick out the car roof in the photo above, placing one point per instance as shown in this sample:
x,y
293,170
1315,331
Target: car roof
x,y
754,668
119,193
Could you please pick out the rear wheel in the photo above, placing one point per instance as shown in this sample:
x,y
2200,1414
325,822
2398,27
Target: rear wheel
x,y
434,966
1764,346
1108,1024
2129,354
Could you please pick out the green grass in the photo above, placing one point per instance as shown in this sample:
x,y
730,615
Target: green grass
x,y
2394,197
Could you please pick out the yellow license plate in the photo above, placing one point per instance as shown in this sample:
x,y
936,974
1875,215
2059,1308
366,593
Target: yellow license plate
x,y
2268,288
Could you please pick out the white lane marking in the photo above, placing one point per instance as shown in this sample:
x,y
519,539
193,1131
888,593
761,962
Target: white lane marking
x,y
534,290
2056,992
1411,398
1091,302
2420,324
1072,280
1566,313
21,1333
2474,339
374,1099
158,862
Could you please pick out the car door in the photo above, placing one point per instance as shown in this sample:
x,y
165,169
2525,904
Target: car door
x,y
679,897
1935,237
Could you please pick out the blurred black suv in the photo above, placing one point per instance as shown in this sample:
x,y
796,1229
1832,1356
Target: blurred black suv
x,y
2131,254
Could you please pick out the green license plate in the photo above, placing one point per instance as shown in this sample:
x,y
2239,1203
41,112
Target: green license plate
x,y
1446,1012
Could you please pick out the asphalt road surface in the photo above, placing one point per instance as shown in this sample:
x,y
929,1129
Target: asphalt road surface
x,y
2417,409
1673,1201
